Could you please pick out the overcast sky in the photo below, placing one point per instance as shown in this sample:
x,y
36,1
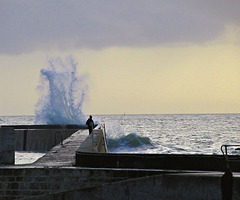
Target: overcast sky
x,y
28,26
175,56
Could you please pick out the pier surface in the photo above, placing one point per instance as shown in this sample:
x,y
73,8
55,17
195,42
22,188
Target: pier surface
x,y
63,154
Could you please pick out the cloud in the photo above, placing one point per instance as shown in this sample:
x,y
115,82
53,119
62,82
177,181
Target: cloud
x,y
59,24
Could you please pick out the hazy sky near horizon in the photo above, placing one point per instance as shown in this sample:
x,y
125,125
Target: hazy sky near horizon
x,y
141,56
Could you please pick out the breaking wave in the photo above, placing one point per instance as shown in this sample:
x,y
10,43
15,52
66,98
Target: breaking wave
x,y
131,140
62,93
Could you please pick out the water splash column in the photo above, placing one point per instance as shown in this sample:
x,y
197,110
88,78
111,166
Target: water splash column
x,y
62,93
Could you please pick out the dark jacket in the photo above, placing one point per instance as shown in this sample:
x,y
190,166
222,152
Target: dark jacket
x,y
90,123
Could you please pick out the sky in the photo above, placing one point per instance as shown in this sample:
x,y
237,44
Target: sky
x,y
141,57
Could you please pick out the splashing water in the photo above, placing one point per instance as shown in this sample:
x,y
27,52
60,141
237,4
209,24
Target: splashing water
x,y
131,140
62,94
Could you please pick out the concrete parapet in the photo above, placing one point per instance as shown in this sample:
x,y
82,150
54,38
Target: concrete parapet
x,y
40,139
52,126
7,151
95,142
157,161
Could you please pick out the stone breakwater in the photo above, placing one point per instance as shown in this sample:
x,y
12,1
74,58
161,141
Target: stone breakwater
x,y
28,182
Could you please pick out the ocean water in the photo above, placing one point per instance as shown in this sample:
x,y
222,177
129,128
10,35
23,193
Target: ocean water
x,y
62,92
164,134
172,133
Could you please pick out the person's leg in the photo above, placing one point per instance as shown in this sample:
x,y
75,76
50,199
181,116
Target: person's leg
x,y
90,130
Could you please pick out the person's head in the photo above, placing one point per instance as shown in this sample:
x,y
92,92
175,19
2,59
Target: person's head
x,y
90,116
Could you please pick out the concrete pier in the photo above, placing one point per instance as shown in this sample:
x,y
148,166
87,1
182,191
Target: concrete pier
x,y
103,175
96,142
63,154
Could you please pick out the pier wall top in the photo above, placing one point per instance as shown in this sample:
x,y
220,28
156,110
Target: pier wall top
x,y
95,142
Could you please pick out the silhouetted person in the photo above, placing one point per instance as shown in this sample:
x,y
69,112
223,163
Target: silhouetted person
x,y
90,124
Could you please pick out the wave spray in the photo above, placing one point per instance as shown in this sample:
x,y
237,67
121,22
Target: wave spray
x,y
62,93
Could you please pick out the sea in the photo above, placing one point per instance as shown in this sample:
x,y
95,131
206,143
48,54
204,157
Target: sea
x,y
62,93
156,133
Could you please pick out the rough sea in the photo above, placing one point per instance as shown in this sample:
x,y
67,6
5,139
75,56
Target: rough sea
x,y
62,93
153,133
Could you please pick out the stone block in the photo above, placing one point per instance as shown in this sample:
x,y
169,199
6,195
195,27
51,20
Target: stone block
x,y
44,186
11,179
34,186
6,172
40,179
36,193
17,172
19,179
13,186
3,178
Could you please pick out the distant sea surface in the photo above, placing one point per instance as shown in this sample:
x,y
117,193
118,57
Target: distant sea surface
x,y
166,134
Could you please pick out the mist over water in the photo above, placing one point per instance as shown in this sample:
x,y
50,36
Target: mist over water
x,y
62,93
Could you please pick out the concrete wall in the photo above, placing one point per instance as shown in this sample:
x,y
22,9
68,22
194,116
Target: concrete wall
x,y
40,139
95,142
7,146
101,144
158,161
17,182
165,187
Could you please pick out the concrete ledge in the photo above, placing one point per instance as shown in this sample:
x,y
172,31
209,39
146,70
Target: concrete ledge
x,y
95,142
157,161
54,126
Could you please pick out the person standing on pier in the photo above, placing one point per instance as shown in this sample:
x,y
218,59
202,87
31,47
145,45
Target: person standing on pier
x,y
90,124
